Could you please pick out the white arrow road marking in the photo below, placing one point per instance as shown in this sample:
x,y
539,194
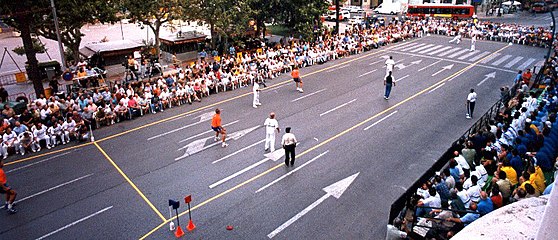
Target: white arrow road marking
x,y
434,89
406,76
291,172
52,188
364,74
74,223
429,65
206,132
238,173
204,117
237,152
448,67
401,66
308,95
335,108
35,163
199,145
379,121
334,190
486,77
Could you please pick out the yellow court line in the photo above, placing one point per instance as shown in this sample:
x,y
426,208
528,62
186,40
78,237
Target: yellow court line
x,y
130,182
200,108
324,142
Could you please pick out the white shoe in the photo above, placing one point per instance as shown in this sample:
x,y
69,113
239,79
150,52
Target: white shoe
x,y
217,139
5,157
254,106
300,90
22,153
224,144
258,104
63,143
48,146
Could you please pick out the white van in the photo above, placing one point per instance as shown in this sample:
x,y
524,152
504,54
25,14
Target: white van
x,y
343,15
388,9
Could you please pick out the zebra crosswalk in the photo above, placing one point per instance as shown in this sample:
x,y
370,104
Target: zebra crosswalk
x,y
456,52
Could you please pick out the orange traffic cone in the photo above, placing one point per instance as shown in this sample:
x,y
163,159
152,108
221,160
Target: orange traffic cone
x,y
179,233
191,225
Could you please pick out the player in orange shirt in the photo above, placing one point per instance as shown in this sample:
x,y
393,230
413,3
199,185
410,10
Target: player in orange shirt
x,y
216,126
296,77
5,189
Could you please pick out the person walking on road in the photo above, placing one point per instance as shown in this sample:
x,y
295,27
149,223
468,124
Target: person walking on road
x,y
388,82
218,128
289,144
256,90
271,125
457,38
473,41
296,78
390,63
5,189
471,100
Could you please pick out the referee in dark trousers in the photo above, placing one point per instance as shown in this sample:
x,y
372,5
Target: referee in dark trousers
x,y
289,144
471,100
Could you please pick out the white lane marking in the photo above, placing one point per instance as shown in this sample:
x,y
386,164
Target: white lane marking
x,y
513,62
458,53
238,173
74,223
335,108
474,59
431,49
501,60
448,52
468,55
237,152
173,131
404,45
526,64
364,74
372,63
430,65
53,188
206,132
291,172
379,121
35,163
308,95
439,50
434,89
406,76
421,48
486,77
337,68
490,58
409,46
448,67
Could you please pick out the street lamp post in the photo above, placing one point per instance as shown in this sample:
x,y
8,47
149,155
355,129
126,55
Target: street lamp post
x,y
62,58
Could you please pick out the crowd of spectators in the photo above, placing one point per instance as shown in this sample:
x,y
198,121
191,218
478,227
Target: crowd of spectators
x,y
513,158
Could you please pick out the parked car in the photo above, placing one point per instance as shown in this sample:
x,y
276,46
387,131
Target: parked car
x,y
343,15
539,7
354,9
388,8
356,20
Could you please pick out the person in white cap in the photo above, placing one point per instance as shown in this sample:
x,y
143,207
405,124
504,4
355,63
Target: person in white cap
x,y
271,125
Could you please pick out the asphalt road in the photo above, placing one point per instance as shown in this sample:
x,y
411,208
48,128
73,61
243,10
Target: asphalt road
x,y
119,186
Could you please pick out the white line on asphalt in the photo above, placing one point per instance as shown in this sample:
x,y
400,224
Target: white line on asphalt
x,y
337,68
513,62
364,74
406,76
431,49
422,48
526,64
490,58
237,152
372,63
404,45
379,121
238,173
308,95
458,53
291,172
414,47
174,130
35,163
430,65
74,223
52,188
439,50
335,108
206,132
476,58
448,52
434,89
468,55
501,60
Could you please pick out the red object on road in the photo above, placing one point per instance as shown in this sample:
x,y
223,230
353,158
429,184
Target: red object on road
x,y
229,227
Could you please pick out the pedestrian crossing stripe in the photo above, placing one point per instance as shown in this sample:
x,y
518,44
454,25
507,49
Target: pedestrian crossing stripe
x,y
439,50
431,49
418,45
479,56
513,62
501,60
526,64
404,45
458,53
468,55
422,48
448,52
490,58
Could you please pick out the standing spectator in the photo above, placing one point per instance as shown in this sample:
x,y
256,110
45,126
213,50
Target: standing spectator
x,y
388,82
218,128
526,77
4,94
296,78
5,189
256,90
389,65
271,125
3,149
53,83
289,144
471,100
473,41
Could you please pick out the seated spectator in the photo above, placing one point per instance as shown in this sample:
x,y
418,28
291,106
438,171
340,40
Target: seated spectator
x,y
485,204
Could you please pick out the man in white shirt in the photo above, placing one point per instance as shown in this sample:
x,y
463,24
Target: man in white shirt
x,y
40,133
271,125
471,100
289,144
256,90
389,65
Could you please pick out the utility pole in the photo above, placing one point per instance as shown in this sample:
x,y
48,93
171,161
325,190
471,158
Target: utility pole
x,y
336,16
62,58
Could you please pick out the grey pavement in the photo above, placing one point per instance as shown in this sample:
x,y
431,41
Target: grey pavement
x,y
341,120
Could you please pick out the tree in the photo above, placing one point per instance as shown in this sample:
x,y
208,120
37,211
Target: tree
x,y
19,14
72,16
302,19
154,13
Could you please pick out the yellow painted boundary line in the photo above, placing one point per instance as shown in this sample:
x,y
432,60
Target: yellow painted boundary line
x,y
130,182
324,142
201,108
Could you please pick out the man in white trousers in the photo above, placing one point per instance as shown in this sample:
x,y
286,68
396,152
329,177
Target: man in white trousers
x,y
271,125
256,90
473,40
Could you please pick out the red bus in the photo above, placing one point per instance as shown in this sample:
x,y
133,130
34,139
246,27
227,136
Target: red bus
x,y
440,10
